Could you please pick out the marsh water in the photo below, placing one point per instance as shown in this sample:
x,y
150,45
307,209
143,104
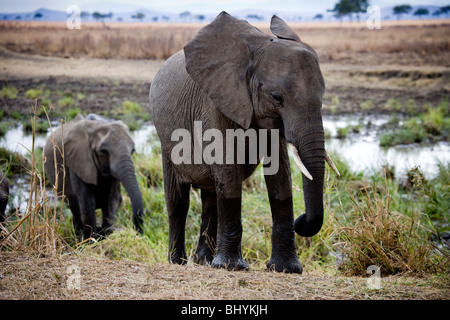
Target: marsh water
x,y
360,150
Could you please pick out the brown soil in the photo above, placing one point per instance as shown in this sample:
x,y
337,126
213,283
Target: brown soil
x,y
351,85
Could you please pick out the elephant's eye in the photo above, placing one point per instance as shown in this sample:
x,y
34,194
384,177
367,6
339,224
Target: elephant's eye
x,y
277,98
104,152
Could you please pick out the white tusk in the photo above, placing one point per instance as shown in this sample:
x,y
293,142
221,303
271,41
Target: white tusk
x,y
331,164
299,162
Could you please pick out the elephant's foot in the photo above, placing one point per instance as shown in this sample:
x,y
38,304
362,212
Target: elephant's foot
x,y
178,257
282,264
229,263
203,255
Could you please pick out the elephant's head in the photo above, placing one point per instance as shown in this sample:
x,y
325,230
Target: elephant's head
x,y
269,82
99,148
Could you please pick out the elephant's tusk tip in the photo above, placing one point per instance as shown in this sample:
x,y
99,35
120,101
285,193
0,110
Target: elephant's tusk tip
x,y
331,164
299,162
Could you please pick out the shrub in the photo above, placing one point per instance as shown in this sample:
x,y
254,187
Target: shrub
x,y
376,235
342,133
72,113
66,102
8,92
433,121
33,93
393,105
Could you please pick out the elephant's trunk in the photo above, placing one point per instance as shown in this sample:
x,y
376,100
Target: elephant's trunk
x,y
127,176
311,149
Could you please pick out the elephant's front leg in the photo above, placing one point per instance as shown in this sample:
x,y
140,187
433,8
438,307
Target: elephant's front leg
x,y
279,186
86,205
229,227
208,232
110,207
177,202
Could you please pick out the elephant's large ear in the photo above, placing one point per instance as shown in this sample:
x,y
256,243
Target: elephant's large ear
x,y
77,151
282,30
218,58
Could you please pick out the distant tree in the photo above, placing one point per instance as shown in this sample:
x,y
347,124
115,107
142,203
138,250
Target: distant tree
x,y
421,12
185,15
445,10
254,16
84,14
318,16
200,17
402,9
138,16
437,13
101,16
359,6
97,15
18,17
38,15
342,9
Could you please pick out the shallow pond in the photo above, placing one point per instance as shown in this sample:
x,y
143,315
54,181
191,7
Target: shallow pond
x,y
360,150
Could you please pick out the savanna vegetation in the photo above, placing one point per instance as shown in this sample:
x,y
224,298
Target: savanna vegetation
x,y
334,42
370,219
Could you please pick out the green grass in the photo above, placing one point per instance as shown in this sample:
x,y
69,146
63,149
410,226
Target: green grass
x,y
429,126
132,114
40,127
4,126
33,93
9,92
72,113
342,133
66,102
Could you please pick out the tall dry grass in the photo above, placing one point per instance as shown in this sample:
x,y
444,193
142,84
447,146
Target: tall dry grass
x,y
37,229
396,43
374,234
94,41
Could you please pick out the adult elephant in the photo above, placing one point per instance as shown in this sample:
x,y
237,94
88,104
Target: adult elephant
x,y
4,196
97,158
233,76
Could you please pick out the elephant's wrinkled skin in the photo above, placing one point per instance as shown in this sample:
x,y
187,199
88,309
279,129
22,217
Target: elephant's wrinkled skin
x,y
231,75
97,158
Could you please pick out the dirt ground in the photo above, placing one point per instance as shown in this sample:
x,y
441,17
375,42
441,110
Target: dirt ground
x,y
348,86
23,276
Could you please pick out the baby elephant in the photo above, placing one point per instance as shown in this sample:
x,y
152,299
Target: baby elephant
x,y
97,157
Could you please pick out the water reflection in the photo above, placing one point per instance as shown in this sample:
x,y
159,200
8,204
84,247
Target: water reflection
x,y
16,140
360,150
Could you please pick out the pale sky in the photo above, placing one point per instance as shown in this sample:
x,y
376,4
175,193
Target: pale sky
x,y
205,6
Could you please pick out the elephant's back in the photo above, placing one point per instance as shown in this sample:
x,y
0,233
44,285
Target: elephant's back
x,y
176,102
166,85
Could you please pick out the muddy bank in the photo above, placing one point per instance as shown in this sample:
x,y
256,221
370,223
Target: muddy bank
x,y
102,96
90,95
